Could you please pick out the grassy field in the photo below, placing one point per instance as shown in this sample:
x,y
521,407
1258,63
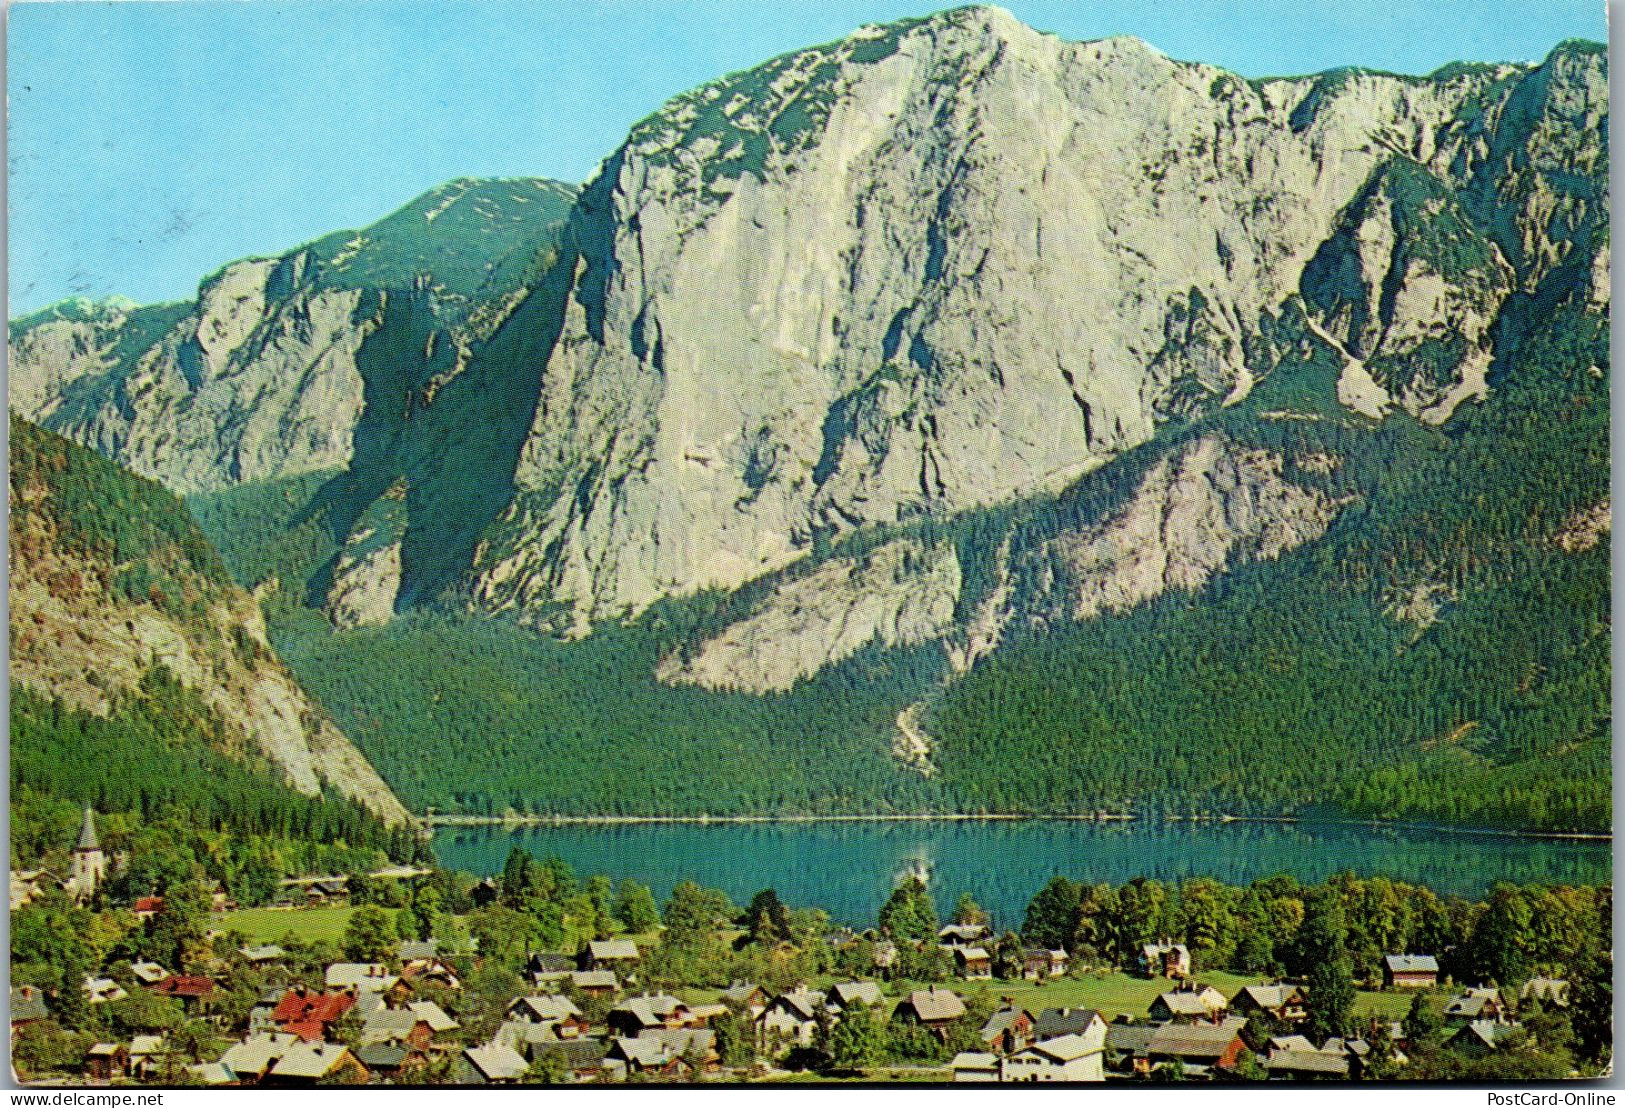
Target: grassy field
x,y
1113,994
1391,1006
268,925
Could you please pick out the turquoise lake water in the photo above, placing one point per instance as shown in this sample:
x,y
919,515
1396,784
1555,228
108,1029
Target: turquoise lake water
x,y
849,869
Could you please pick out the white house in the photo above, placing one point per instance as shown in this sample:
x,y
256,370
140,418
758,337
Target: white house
x,y
1069,1058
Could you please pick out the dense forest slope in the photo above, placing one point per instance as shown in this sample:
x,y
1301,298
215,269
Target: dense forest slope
x,y
947,417
116,599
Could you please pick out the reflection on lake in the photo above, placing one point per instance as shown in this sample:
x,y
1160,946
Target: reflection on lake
x,y
848,869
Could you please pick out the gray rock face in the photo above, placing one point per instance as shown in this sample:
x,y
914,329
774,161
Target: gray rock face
x,y
365,586
87,645
896,595
947,263
245,386
1195,514
937,265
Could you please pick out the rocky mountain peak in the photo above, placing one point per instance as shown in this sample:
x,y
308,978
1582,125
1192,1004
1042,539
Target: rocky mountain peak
x,y
938,264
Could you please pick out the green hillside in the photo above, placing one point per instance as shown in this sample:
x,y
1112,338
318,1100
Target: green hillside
x,y
160,758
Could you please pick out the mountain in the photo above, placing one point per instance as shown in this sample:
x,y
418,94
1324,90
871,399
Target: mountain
x,y
115,593
911,384
353,357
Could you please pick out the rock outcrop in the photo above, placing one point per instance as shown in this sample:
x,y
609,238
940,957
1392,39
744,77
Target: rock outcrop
x,y
79,633
940,264
954,261
896,595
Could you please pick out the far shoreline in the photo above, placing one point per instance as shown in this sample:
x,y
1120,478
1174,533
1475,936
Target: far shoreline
x,y
434,822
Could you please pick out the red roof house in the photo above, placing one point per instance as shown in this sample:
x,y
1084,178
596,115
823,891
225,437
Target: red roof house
x,y
192,990
309,1014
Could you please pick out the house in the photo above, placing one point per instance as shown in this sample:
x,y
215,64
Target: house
x,y
556,1012
791,1018
1165,959
1474,1004
847,993
416,1024
583,1058
307,1063
1068,1058
332,890
635,1015
410,950
973,963
524,1037
975,1067
194,991
105,1061
620,955
102,990
1548,990
932,1008
1007,1030
1409,971
1192,1004
1281,1001
1127,1048
701,1015
146,907
309,1015
1052,1023
28,885
1038,963
963,934
1480,1037
665,1052
421,961
491,1064
27,1006
148,973
213,1075
266,955
433,970
391,1060
359,977
747,997
595,982
1201,1047
1308,1065
548,968
146,1054
250,1060
627,1056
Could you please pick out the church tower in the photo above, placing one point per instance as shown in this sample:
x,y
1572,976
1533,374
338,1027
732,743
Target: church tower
x,y
89,863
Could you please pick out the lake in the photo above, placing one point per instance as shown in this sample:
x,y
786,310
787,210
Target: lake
x,y
849,868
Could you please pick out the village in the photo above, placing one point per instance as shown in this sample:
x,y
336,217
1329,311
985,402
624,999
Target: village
x,y
377,1002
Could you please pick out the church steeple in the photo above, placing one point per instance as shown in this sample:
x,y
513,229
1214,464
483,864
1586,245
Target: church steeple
x,y
87,833
89,863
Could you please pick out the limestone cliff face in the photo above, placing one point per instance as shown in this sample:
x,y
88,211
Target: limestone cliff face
x,y
940,264
81,633
950,262
1196,513
255,381
896,595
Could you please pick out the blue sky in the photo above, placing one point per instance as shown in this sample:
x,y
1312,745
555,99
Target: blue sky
x,y
150,143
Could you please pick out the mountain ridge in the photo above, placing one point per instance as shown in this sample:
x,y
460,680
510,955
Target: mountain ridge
x,y
922,345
